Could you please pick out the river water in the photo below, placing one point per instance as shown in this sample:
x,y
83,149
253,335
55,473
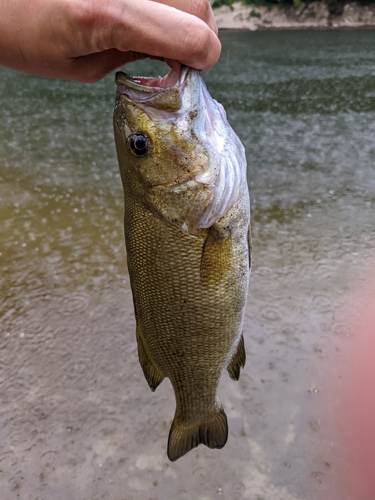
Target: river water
x,y
77,420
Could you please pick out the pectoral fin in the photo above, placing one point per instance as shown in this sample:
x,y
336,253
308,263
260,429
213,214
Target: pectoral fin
x,y
216,258
238,360
151,372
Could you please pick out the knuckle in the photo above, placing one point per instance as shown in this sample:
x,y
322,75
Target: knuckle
x,y
89,19
198,43
201,9
83,12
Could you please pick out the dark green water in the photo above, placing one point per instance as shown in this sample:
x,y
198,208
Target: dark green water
x,y
77,420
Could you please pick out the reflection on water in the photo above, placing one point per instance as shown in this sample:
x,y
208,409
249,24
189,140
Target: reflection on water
x,y
77,420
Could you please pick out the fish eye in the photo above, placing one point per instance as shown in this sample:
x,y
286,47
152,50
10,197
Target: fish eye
x,y
139,144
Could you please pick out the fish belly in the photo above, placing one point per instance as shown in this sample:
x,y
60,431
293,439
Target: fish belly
x,y
189,293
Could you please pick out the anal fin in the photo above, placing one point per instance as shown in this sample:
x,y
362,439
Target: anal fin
x,y
211,431
151,372
238,360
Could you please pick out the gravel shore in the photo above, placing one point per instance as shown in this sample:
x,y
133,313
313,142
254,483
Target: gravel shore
x,y
313,15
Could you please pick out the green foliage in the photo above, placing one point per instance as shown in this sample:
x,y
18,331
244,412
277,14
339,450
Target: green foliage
x,y
254,2
254,13
219,3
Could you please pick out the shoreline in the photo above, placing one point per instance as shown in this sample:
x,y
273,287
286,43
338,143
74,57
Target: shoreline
x,y
312,15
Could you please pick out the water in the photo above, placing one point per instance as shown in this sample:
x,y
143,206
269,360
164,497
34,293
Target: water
x,y
77,420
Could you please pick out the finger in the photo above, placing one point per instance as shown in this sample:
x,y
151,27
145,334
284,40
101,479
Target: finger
x,y
198,8
163,31
93,67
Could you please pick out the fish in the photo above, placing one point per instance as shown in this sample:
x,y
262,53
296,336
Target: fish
x,y
188,244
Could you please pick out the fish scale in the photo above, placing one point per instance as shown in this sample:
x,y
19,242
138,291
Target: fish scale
x,y
158,304
189,283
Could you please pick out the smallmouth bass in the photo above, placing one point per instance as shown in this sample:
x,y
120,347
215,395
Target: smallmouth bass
x,y
187,236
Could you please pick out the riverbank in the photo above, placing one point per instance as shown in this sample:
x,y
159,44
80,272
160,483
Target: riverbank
x,y
310,15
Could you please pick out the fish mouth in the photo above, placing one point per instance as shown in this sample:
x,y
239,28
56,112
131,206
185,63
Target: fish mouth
x,y
175,77
163,93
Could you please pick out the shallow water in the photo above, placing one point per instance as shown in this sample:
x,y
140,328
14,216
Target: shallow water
x,y
77,420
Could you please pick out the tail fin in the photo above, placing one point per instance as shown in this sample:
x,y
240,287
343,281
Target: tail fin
x,y
183,437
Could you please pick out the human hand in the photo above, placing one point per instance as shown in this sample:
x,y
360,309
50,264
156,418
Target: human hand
x,y
86,39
